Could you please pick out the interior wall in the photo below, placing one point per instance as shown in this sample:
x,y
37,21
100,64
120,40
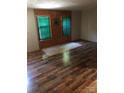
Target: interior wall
x,y
32,40
89,25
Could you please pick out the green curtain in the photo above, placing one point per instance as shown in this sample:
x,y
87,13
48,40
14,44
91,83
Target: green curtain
x,y
44,27
66,24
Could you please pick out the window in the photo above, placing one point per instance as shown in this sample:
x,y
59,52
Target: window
x,y
44,27
66,24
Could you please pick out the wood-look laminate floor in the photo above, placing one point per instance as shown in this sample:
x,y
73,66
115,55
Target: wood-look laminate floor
x,y
74,71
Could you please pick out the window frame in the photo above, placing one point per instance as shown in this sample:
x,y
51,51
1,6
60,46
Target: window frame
x,y
70,25
49,27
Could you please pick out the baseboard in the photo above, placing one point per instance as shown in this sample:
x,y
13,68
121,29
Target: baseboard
x,y
33,51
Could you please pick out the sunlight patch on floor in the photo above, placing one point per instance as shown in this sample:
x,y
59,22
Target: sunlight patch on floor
x,y
60,48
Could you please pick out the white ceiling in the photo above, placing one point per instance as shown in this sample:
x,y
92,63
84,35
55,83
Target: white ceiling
x,y
62,4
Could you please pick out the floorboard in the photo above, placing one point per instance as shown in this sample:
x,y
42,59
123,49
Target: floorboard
x,y
73,71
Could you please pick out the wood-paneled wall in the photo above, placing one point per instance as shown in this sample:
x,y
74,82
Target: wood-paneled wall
x,y
54,28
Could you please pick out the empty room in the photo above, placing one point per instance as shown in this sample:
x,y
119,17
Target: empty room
x,y
62,46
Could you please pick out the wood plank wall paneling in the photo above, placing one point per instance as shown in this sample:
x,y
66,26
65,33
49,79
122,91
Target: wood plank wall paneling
x,y
54,29
52,12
